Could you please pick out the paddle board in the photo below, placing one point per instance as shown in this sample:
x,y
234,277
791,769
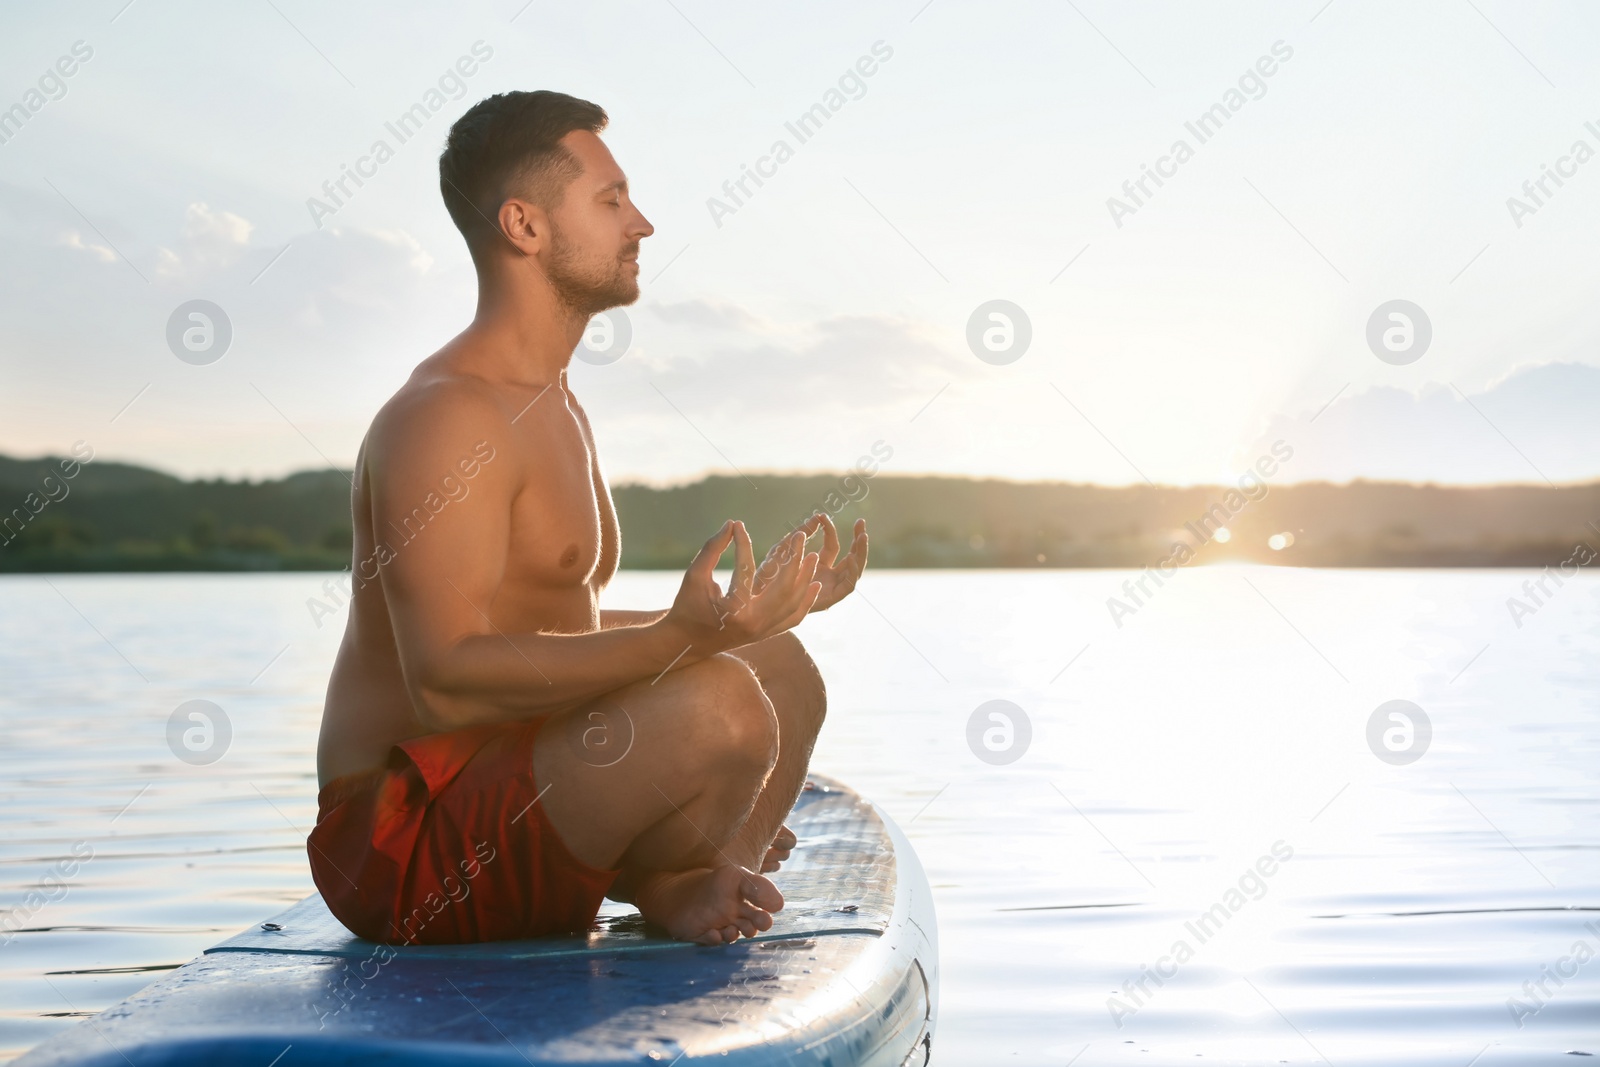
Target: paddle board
x,y
848,974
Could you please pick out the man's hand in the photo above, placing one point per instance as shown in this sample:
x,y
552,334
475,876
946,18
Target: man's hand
x,y
715,621
837,577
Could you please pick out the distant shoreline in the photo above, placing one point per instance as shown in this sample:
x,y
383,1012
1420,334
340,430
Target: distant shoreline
x,y
1533,556
61,516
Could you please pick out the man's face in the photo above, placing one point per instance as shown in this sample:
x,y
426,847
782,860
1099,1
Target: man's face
x,y
595,232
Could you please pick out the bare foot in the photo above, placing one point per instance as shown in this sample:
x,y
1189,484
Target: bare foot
x,y
782,845
712,906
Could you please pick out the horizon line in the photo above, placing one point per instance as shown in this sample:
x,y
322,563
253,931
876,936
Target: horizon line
x,y
708,473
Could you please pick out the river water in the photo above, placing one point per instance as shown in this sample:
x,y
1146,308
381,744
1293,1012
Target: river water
x,y
1183,839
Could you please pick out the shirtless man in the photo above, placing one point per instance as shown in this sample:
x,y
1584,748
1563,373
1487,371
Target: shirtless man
x,y
498,753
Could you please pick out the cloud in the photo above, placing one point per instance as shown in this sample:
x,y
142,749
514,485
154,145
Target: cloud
x,y
406,246
208,242
1535,423
74,239
325,322
708,315
688,398
853,362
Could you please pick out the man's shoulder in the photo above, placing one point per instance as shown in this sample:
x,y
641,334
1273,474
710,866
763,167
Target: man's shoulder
x,y
439,395
437,398
438,411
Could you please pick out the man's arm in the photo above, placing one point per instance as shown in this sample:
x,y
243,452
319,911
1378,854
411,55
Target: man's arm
x,y
611,618
459,667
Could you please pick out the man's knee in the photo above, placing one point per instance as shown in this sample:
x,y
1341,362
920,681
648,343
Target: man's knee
x,y
788,672
734,719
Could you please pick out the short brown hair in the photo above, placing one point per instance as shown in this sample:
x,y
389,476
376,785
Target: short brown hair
x,y
511,141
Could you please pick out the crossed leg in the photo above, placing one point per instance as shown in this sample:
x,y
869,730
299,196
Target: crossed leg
x,y
799,700
684,782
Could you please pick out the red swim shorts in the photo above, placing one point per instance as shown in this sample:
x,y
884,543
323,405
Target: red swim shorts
x,y
447,843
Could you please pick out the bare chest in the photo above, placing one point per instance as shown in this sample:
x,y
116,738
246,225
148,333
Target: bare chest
x,y
563,534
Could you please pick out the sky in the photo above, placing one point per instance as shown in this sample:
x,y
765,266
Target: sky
x,y
1360,153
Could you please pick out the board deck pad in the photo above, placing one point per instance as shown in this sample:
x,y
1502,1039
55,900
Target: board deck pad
x,y
846,975
841,881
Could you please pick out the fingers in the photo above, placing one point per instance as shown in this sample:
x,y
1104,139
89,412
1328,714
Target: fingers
x,y
808,600
811,525
767,568
850,569
803,592
781,593
791,558
806,571
858,547
744,562
706,561
830,542
776,557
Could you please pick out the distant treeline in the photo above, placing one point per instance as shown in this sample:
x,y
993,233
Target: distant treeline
x,y
107,516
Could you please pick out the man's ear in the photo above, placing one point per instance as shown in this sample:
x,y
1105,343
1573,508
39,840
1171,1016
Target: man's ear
x,y
525,224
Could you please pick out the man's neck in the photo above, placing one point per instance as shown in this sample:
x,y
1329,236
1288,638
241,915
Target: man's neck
x,y
531,331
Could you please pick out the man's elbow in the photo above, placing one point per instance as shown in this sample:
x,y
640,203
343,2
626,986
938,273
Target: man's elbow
x,y
432,718
435,706
432,679
440,715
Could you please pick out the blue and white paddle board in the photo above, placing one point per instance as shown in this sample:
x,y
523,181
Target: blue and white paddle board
x,y
848,974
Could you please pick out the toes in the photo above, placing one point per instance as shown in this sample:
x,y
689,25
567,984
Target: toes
x,y
747,928
761,892
730,934
757,918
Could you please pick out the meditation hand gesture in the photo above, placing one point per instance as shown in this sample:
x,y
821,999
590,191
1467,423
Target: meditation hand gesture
x,y
716,620
837,577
